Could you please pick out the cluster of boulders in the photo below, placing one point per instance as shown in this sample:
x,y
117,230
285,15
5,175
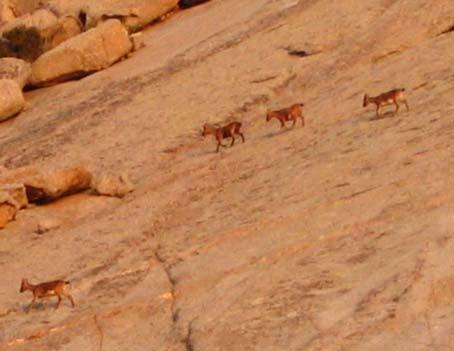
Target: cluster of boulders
x,y
79,37
24,186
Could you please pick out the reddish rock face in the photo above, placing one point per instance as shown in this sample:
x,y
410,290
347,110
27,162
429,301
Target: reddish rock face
x,y
7,213
335,236
49,186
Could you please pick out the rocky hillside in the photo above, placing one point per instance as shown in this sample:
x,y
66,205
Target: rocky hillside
x,y
335,236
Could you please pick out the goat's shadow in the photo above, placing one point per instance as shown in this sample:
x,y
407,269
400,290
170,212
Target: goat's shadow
x,y
212,151
278,132
37,306
389,114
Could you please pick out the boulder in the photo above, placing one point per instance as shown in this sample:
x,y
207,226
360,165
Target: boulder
x,y
11,99
17,175
23,7
88,52
8,209
137,41
15,69
49,186
65,28
17,194
42,19
7,214
52,29
6,12
113,185
134,14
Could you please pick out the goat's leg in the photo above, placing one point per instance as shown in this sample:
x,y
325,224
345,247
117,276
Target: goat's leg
x,y
58,302
302,121
377,112
241,135
31,304
294,122
219,139
70,298
282,123
397,106
233,140
406,105
219,145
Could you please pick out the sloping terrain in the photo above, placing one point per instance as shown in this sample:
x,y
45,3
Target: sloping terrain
x,y
335,236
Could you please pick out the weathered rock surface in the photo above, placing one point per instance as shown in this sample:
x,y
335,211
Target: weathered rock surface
x,y
134,14
49,186
137,41
336,236
8,209
17,193
54,30
15,69
23,7
113,185
42,19
66,27
88,52
11,99
7,213
48,224
6,12
17,175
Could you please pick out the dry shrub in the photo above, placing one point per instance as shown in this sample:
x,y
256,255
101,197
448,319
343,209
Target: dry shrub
x,y
22,42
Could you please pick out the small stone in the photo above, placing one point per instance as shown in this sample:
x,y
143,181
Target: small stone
x,y
113,185
47,225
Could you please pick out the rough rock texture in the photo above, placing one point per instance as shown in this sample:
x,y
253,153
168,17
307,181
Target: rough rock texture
x,y
7,213
47,224
8,209
6,12
135,14
65,28
52,185
137,41
15,69
11,99
335,236
91,51
17,175
42,19
23,7
54,30
17,193
113,185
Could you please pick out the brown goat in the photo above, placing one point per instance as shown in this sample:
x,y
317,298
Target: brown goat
x,y
224,132
390,97
291,113
47,289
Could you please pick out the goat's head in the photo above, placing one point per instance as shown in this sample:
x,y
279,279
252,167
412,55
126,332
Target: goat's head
x,y
205,130
23,285
365,100
268,115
